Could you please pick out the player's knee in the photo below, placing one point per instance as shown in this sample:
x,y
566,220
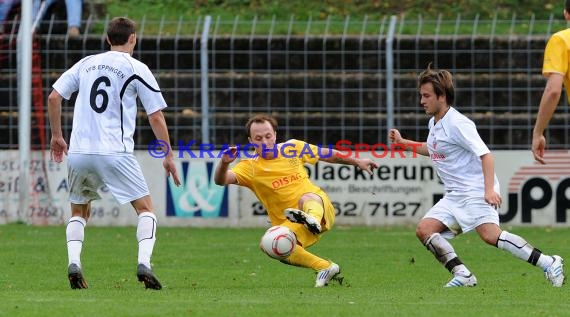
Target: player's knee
x,y
489,233
423,232
143,204
490,239
81,210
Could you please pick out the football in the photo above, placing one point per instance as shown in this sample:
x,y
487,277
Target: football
x,y
278,242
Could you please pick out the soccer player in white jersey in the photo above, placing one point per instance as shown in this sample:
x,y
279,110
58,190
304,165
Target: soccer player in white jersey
x,y
466,167
101,147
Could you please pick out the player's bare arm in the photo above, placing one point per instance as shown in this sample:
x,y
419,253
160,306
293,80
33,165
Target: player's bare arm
x,y
364,164
491,196
58,146
223,174
158,124
548,103
415,146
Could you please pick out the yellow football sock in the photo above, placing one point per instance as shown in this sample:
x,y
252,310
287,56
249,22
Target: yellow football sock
x,y
314,208
303,258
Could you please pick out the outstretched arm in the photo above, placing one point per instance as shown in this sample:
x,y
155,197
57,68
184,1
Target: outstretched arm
x,y
158,124
223,174
417,147
362,163
548,103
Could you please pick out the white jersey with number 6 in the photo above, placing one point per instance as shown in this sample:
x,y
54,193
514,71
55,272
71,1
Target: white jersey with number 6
x,y
105,110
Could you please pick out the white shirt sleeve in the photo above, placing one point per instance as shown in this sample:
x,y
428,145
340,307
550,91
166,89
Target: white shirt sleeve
x,y
466,135
68,82
148,91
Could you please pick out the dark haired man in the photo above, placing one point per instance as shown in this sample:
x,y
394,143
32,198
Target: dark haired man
x,y
101,146
467,168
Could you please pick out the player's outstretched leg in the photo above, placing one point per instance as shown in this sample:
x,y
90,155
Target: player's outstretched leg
x,y
145,275
75,276
553,266
555,272
299,216
326,270
326,275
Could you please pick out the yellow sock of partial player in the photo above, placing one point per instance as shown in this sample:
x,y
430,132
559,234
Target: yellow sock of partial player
x,y
314,208
303,258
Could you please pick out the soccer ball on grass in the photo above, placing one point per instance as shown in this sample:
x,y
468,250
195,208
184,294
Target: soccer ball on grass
x,y
278,242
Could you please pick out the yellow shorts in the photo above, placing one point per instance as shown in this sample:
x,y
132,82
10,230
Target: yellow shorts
x,y
304,236
329,213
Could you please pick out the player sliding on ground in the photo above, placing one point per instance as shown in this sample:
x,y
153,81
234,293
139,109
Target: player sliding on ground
x,y
466,167
280,181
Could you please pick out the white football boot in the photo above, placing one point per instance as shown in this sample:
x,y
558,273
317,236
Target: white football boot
x,y
326,275
462,281
555,272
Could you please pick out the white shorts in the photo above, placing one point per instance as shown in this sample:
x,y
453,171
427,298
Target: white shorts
x,y
462,212
122,175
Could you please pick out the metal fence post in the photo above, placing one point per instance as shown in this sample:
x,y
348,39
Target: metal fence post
x,y
390,75
204,81
24,59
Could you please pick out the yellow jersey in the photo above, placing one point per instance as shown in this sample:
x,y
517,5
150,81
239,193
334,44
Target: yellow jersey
x,y
278,183
556,57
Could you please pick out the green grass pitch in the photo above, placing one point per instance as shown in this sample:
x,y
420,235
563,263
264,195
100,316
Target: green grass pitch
x,y
222,272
